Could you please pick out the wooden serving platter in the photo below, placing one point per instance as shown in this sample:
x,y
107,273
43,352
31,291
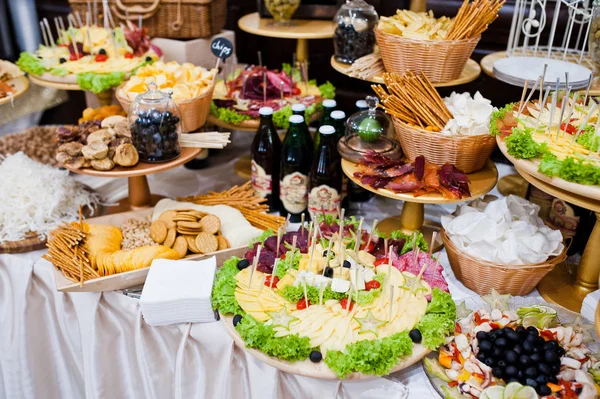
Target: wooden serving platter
x,y
317,370
132,278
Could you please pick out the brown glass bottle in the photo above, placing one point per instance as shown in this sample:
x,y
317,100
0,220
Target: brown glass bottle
x,y
266,152
325,178
296,159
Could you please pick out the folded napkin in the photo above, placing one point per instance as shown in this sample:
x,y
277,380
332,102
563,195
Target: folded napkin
x,y
178,292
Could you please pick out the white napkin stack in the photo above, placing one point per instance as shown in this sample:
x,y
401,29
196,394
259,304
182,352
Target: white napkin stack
x,y
178,292
471,115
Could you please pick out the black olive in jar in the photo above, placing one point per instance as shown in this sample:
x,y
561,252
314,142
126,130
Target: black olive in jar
x,y
350,44
154,136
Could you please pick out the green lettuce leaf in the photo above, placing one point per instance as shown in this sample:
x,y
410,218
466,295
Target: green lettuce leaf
x,y
281,117
498,115
408,244
439,319
228,115
294,294
261,238
29,63
366,297
327,90
287,68
141,65
578,171
223,294
99,82
376,357
520,144
289,262
550,165
59,71
260,336
588,139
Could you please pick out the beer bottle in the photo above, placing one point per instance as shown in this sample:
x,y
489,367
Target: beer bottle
x,y
300,109
339,123
266,152
296,159
325,178
328,107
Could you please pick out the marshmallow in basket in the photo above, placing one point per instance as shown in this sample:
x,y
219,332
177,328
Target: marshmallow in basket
x,y
506,231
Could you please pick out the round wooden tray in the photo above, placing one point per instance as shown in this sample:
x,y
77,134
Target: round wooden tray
x,y
296,29
142,168
482,182
471,72
531,168
54,85
20,84
246,126
316,370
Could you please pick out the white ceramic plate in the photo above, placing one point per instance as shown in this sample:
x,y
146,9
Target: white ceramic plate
x,y
517,70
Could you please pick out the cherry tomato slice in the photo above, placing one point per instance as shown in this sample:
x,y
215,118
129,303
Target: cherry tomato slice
x,y
128,55
268,280
302,304
282,257
371,285
73,57
370,248
295,91
381,261
101,57
344,304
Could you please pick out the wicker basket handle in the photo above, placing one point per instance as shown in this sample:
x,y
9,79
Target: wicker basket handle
x,y
133,12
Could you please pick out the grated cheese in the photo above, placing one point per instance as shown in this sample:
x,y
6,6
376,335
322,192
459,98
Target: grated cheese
x,y
37,198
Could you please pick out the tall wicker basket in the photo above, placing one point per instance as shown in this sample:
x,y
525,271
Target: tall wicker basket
x,y
441,60
193,111
481,276
176,19
467,153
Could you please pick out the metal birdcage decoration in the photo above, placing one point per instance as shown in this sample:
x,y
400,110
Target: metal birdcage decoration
x,y
536,30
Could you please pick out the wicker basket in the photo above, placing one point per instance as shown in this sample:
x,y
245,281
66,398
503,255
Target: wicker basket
x,y
176,19
481,276
193,111
441,60
467,153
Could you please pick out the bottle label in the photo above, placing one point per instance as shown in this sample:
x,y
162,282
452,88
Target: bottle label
x,y
293,192
324,200
562,217
262,183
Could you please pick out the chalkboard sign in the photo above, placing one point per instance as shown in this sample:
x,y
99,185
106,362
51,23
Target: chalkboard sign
x,y
221,48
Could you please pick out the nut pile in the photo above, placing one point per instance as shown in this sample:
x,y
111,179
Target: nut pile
x,y
188,231
136,233
37,143
100,148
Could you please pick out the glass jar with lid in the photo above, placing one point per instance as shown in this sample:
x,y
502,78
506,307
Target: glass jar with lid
x,y
354,36
369,130
155,124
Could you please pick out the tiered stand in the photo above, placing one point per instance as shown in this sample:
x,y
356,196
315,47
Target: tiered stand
x,y
413,212
139,191
104,98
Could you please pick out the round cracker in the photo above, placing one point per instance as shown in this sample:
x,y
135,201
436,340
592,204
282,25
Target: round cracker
x,y
223,242
189,232
158,231
190,226
210,224
180,246
184,218
191,240
167,216
195,213
170,240
206,243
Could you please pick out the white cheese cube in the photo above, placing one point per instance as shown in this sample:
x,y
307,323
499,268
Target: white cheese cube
x,y
340,285
356,278
321,281
368,274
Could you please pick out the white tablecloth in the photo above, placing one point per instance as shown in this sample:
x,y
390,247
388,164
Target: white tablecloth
x,y
96,345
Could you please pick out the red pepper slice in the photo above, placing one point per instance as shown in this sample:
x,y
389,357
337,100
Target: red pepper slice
x,y
344,304
568,128
302,304
453,384
268,280
381,261
371,285
458,328
101,57
128,55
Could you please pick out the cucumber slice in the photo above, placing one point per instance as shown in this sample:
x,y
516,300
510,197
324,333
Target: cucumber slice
x,y
435,368
495,392
526,393
511,390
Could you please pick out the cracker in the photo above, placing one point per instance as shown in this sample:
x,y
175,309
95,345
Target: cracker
x,y
195,213
158,231
206,243
190,226
170,240
223,242
180,246
191,241
210,224
167,217
189,232
184,218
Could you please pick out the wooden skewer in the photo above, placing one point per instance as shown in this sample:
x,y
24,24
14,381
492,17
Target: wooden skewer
x,y
254,264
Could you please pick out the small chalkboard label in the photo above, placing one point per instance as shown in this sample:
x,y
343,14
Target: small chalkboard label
x,y
221,48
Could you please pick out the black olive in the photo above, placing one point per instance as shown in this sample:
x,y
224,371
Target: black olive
x,y
550,345
481,335
532,338
499,332
536,358
498,353
555,368
498,372
544,369
62,60
513,335
541,379
533,331
501,342
560,351
511,356
489,361
540,341
316,356
325,253
544,390
551,357
511,371
328,272
415,336
538,349
578,390
148,59
347,264
520,375
527,347
485,346
520,329
242,264
518,349
481,356
524,360
102,51
531,372
236,319
553,379
501,363
531,382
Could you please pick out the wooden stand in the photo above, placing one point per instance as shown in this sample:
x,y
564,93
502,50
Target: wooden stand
x,y
20,85
413,211
104,98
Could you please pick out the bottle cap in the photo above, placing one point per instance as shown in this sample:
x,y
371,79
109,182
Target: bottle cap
x,y
329,103
338,114
362,104
326,129
298,108
265,111
296,119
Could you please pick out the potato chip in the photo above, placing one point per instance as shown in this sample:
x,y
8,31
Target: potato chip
x,y
413,25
